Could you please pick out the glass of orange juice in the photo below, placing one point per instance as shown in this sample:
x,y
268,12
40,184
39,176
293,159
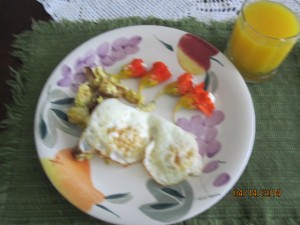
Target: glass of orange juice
x,y
263,35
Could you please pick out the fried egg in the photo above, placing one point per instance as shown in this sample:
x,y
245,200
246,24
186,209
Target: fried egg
x,y
173,153
116,131
127,135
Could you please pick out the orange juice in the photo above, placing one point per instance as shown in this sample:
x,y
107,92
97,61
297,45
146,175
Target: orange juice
x,y
263,35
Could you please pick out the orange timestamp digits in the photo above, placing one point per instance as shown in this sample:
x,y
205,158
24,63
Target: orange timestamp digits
x,y
256,193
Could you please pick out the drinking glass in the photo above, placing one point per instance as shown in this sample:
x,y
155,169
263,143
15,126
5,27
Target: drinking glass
x,y
263,35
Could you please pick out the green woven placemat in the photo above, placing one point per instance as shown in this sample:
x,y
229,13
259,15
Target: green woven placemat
x,y
27,196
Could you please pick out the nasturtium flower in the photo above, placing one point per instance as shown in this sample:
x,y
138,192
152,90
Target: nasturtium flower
x,y
159,73
197,98
181,86
135,69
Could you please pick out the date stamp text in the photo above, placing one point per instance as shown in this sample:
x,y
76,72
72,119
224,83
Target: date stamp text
x,y
263,193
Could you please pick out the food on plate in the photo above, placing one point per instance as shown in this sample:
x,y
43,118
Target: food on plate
x,y
173,155
127,135
181,86
99,86
159,73
79,115
197,98
135,69
109,87
194,54
117,132
191,96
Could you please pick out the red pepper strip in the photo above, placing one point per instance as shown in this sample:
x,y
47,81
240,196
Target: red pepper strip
x,y
159,73
135,69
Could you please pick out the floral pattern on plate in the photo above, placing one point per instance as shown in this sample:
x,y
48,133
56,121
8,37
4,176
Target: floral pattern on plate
x,y
205,131
73,179
172,203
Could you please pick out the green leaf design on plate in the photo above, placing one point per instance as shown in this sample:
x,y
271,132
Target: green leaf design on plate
x,y
206,81
172,192
60,114
57,119
214,59
161,206
50,136
208,196
172,203
64,101
214,83
211,82
118,198
43,128
107,209
168,46
56,94
53,117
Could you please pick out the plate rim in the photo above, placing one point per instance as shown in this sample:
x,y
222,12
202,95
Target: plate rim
x,y
251,139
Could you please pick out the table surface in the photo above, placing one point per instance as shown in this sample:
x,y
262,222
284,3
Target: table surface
x,y
15,17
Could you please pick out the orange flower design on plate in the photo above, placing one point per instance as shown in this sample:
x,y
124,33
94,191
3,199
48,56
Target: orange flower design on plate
x,y
72,178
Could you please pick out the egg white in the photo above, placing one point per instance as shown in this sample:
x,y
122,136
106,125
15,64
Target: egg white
x,y
127,135
116,131
173,154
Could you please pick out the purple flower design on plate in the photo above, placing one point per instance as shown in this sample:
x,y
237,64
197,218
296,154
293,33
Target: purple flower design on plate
x,y
66,80
69,79
205,131
88,60
118,50
211,166
221,179
105,55
103,49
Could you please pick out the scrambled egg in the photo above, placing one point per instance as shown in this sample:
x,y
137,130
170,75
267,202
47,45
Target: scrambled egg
x,y
99,86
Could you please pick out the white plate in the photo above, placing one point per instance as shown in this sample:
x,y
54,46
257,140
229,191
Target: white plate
x,y
128,195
